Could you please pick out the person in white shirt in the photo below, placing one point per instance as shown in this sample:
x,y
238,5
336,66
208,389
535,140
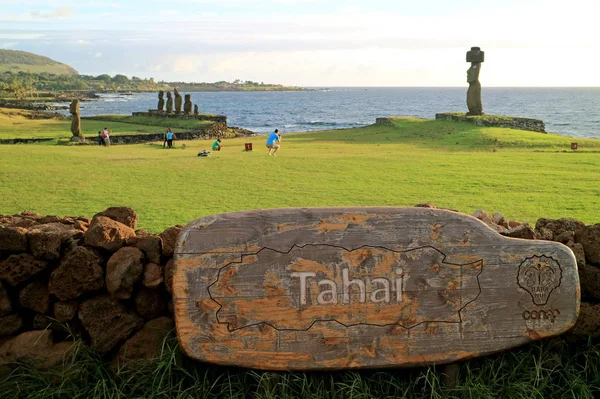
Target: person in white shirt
x,y
106,137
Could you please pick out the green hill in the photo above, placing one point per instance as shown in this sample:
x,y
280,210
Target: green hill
x,y
15,61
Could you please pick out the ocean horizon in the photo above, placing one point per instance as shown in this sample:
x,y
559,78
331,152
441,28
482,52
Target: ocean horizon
x,y
569,111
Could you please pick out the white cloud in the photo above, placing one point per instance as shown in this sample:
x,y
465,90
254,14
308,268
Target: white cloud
x,y
98,55
185,64
83,42
351,9
154,68
8,45
58,12
21,36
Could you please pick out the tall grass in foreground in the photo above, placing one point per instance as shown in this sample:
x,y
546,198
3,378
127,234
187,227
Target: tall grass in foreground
x,y
549,369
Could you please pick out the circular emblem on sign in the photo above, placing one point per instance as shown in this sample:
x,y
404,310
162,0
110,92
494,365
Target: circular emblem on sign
x,y
539,275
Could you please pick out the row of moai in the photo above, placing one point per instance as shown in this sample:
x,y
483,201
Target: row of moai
x,y
187,106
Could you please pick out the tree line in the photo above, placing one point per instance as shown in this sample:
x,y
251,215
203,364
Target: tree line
x,y
22,85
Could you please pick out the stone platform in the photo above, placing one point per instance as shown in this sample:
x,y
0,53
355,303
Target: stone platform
x,y
204,117
534,125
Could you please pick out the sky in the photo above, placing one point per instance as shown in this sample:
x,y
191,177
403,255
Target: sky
x,y
315,43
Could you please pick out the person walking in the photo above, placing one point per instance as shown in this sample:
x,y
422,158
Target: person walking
x,y
170,136
165,137
100,140
272,141
106,137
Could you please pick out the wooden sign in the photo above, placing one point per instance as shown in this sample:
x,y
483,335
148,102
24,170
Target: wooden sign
x,y
342,288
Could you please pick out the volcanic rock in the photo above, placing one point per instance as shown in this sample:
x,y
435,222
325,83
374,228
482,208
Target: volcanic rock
x,y
150,244
169,273
107,234
19,268
587,325
46,240
153,275
13,239
557,227
5,303
589,278
121,214
107,322
65,311
79,272
36,349
10,324
150,303
35,297
169,237
123,270
579,252
589,237
146,344
523,231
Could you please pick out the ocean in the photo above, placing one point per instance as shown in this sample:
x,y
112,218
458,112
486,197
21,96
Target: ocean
x,y
566,111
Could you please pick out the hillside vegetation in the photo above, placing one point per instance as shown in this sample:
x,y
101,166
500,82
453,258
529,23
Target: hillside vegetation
x,y
15,61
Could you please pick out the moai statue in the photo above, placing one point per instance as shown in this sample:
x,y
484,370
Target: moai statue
x,y
187,106
196,113
475,56
75,121
161,101
177,102
169,103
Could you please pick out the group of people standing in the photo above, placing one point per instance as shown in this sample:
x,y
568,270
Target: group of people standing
x,y
104,137
272,141
168,138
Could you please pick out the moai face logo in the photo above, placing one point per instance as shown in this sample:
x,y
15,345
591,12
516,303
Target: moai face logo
x,y
539,275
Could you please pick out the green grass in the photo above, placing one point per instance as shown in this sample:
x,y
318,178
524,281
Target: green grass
x,y
523,175
549,369
186,124
15,123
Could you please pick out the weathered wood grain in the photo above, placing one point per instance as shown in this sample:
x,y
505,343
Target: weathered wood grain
x,y
335,288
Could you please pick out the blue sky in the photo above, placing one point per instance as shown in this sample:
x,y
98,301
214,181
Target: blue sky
x,y
309,42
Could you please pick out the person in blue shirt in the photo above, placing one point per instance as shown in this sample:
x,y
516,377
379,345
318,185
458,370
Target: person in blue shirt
x,y
170,136
272,141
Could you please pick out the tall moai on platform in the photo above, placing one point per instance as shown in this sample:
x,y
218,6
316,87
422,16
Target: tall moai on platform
x,y
475,56
187,105
75,121
169,102
196,113
177,101
161,101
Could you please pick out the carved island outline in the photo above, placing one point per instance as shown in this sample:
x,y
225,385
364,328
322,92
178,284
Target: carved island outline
x,y
335,320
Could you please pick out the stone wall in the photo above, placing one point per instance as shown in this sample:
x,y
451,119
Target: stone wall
x,y
384,122
110,284
172,115
534,125
211,131
105,280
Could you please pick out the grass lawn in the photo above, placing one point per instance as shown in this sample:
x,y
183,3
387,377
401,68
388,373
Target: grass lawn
x,y
543,370
15,123
524,175
184,124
